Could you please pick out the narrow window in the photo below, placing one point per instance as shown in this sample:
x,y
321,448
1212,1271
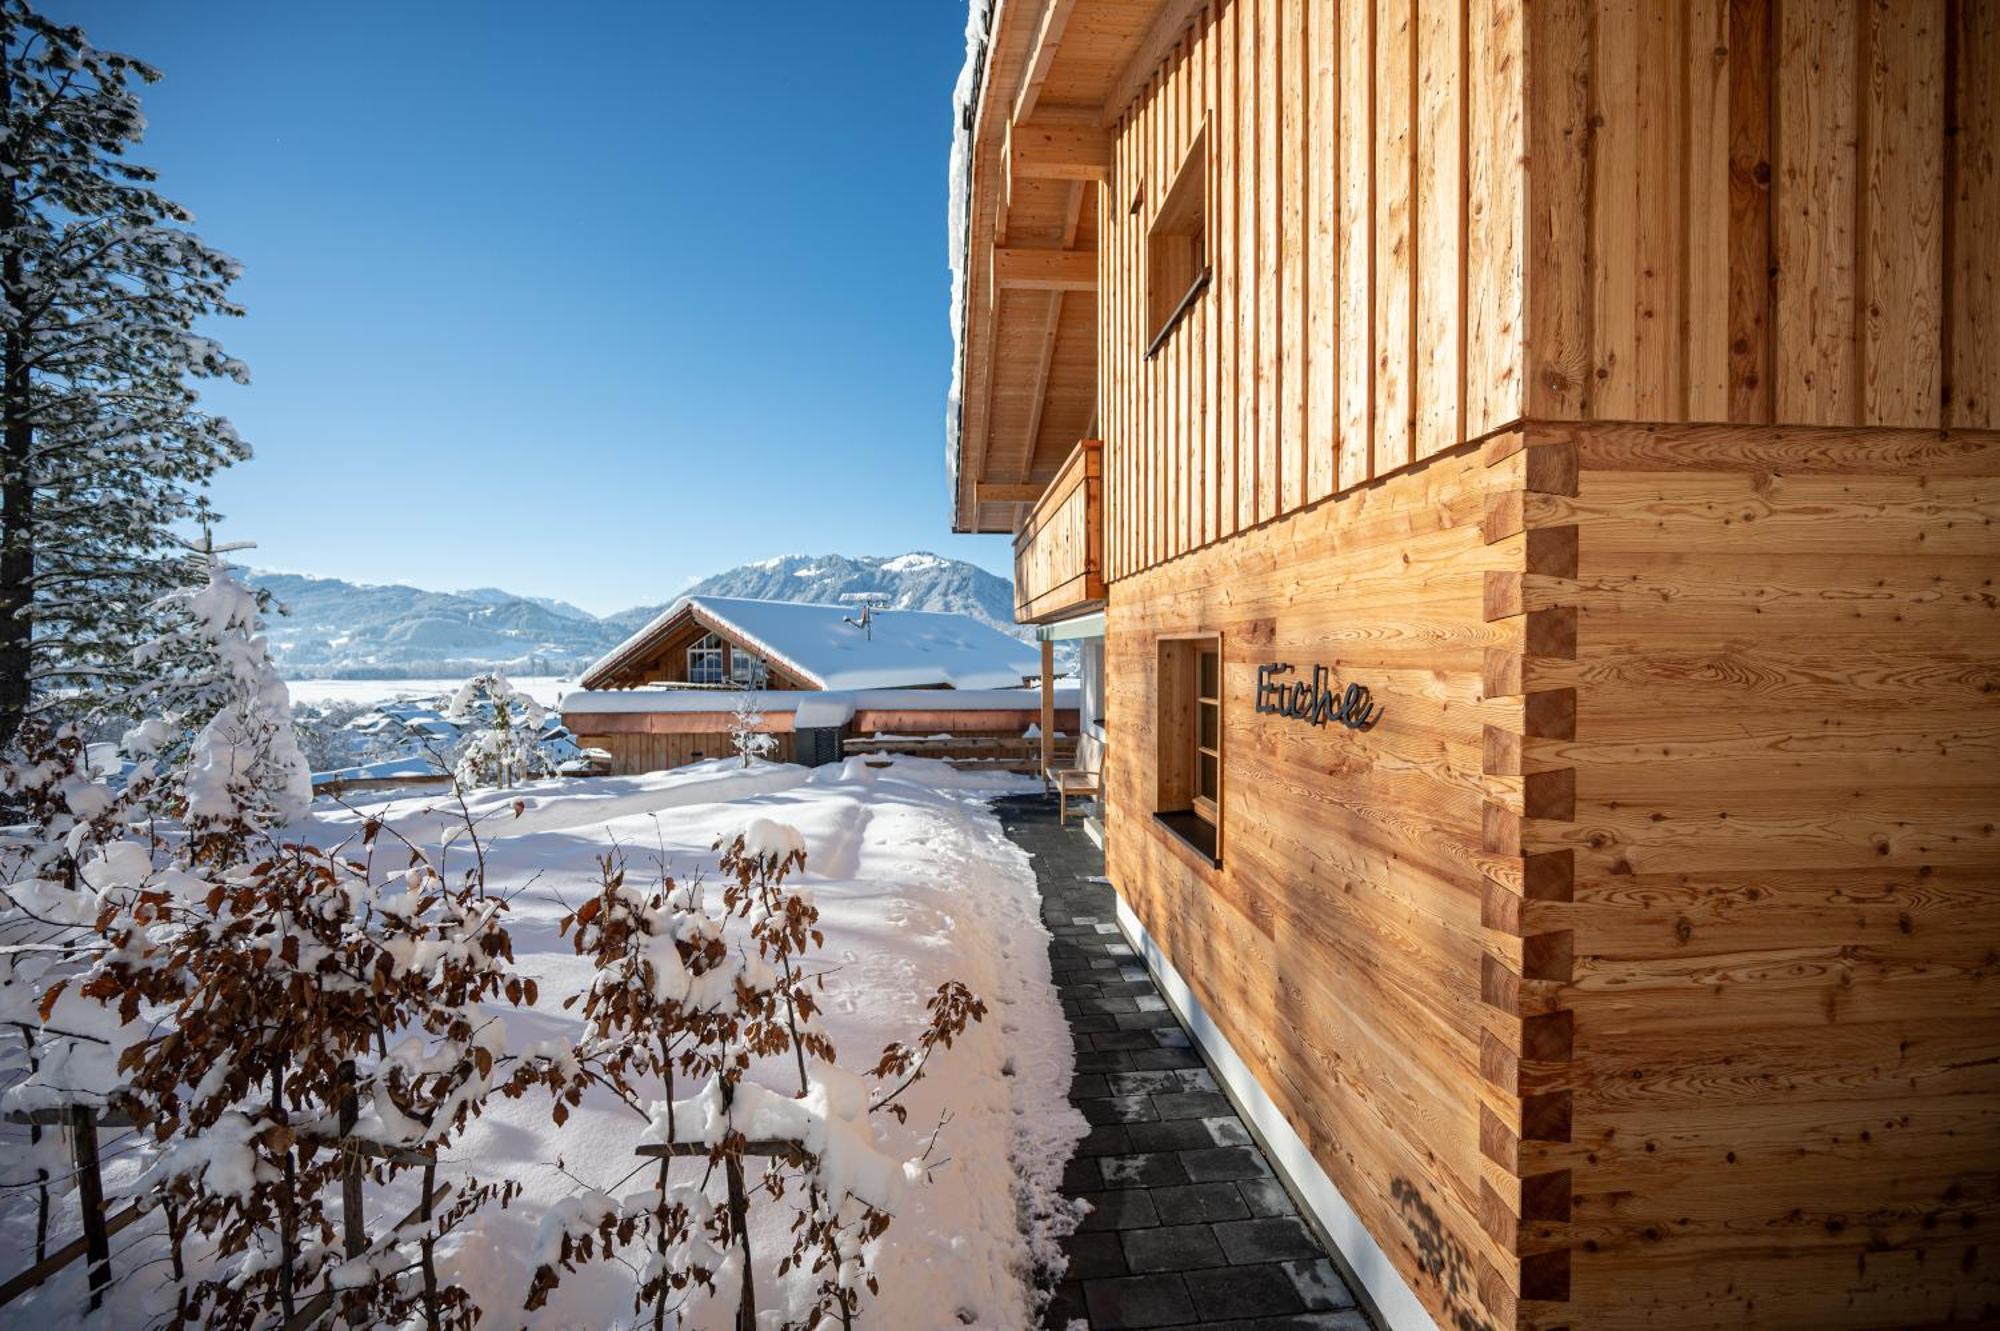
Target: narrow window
x,y
1190,742
748,670
1177,265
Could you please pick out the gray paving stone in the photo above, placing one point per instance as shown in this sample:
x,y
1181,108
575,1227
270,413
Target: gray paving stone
x,y
1191,1104
1228,1130
1110,1139
1118,1109
1319,1284
1094,1255
1265,1196
1214,1163
1243,1291
1272,1240
1181,1134
1158,1170
1131,1302
1128,1208
1199,1204
1352,1320
1166,1082
1175,1248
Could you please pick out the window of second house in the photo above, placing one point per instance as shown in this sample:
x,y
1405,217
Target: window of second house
x,y
1177,265
704,660
1190,742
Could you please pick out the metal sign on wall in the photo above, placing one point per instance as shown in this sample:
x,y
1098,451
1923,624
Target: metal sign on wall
x,y
1316,701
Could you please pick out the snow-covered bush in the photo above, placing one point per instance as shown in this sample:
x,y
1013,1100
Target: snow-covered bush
x,y
671,1004
294,1001
747,734
505,747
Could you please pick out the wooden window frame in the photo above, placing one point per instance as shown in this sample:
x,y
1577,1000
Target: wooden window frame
x,y
1177,264
720,651
1181,804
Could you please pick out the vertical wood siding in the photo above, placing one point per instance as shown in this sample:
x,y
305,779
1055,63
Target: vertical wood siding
x,y
1429,220
1335,342
1747,211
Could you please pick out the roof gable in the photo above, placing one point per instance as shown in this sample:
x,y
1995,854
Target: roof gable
x,y
825,645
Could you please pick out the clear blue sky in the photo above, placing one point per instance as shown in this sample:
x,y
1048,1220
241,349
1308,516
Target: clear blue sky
x,y
579,301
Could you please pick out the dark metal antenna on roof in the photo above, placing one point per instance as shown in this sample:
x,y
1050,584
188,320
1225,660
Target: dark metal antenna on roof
x,y
869,602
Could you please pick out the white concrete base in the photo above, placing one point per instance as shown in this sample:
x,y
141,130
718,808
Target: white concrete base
x,y
1394,1304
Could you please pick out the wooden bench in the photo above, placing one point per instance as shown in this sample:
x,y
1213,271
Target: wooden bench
x,y
1083,778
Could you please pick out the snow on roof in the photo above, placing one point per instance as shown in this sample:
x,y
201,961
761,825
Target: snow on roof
x,y
840,704
827,646
376,771
958,208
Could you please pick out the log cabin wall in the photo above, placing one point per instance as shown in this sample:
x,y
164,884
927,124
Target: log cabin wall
x,y
1763,920
1339,944
1612,388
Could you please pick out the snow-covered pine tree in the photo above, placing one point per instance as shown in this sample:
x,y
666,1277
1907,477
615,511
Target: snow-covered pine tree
x,y
217,698
507,747
102,440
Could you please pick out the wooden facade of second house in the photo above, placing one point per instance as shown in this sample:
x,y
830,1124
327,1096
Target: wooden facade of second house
x,y
1612,391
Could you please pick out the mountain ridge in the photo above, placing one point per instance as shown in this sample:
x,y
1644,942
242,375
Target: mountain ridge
x,y
335,629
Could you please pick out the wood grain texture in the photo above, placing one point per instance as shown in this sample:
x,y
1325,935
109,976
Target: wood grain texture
x,y
1059,551
1783,918
1340,941
1972,216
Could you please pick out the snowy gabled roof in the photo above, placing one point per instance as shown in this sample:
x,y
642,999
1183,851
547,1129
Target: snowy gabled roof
x,y
823,645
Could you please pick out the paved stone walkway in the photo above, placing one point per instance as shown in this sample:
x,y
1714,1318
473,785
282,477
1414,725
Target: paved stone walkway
x,y
1187,1225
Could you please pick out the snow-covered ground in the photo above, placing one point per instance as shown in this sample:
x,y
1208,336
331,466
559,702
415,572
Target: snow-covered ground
x,y
916,884
544,689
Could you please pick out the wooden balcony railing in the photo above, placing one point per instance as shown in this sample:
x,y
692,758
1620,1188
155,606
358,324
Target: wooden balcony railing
x,y
1059,551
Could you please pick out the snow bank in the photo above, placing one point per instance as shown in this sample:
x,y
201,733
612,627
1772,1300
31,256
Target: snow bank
x,y
916,885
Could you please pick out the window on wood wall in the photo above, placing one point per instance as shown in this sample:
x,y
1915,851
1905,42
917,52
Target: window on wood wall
x,y
1190,742
1177,266
704,660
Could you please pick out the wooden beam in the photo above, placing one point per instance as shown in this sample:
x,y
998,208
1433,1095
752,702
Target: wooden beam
x,y
1048,39
1175,17
1016,269
1057,148
1049,706
1072,215
985,492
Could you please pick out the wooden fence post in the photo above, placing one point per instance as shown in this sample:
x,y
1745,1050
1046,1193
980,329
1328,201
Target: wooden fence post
x,y
90,1197
41,1173
353,1227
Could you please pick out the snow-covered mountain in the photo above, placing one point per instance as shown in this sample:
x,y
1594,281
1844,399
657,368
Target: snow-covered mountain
x,y
915,581
336,629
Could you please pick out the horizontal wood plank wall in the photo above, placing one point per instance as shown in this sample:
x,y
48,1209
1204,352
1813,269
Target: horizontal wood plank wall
x,y
1365,238
634,753
1340,946
1763,211
1783,1108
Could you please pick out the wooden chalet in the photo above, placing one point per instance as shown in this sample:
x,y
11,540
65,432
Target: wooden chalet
x,y
664,697
1537,467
